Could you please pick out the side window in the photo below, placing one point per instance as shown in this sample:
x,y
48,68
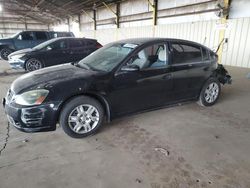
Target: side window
x,y
155,56
26,36
205,54
186,53
76,44
213,56
41,35
58,45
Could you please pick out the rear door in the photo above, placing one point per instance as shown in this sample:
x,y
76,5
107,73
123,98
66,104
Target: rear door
x,y
188,69
199,72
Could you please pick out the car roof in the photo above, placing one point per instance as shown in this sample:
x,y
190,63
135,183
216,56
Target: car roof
x,y
141,41
72,38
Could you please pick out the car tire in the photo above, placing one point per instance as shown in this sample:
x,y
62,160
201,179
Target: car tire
x,y
210,92
82,116
4,53
33,64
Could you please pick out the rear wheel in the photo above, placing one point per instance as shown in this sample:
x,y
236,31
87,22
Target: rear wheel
x,y
4,53
210,92
82,116
33,64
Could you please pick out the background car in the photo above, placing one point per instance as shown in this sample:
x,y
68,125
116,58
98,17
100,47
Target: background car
x,y
53,52
121,78
27,39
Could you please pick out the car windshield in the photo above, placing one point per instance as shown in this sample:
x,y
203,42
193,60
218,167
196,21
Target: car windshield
x,y
108,57
44,44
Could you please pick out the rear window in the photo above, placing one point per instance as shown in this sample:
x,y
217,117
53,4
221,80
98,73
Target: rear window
x,y
186,53
76,43
205,54
62,34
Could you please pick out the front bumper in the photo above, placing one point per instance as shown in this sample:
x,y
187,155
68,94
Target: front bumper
x,y
16,63
32,119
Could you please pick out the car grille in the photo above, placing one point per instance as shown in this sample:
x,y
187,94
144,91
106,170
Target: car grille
x,y
9,96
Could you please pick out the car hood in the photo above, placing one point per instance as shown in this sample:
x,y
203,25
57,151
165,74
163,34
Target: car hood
x,y
48,77
6,41
23,51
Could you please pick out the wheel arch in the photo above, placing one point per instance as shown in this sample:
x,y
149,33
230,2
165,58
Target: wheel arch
x,y
212,75
95,96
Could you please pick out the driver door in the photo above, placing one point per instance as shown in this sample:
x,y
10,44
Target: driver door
x,y
148,87
57,53
24,40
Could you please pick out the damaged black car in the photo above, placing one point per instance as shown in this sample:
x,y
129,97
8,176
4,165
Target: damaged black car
x,y
122,78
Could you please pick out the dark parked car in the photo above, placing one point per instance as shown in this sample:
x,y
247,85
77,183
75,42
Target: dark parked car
x,y
27,39
53,52
121,78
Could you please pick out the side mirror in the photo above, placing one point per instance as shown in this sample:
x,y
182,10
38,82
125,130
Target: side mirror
x,y
48,48
130,68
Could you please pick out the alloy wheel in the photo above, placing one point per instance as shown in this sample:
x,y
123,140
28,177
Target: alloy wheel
x,y
33,64
83,118
211,92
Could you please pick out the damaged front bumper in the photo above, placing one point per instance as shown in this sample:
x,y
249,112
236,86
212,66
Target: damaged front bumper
x,y
32,119
223,75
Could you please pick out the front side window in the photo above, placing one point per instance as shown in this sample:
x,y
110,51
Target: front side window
x,y
108,57
185,53
58,45
26,36
154,56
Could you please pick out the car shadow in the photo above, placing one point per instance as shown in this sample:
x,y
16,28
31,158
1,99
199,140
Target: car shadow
x,y
5,73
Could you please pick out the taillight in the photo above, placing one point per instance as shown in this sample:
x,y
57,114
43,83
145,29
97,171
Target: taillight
x,y
98,45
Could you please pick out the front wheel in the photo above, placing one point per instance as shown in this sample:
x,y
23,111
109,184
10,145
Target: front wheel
x,y
4,53
210,92
33,64
81,116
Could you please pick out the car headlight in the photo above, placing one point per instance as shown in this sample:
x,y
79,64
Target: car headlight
x,y
16,56
33,97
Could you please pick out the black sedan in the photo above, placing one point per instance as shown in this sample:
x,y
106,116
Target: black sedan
x,y
53,52
121,78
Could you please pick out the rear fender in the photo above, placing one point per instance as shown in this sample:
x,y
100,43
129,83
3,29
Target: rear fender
x,y
222,75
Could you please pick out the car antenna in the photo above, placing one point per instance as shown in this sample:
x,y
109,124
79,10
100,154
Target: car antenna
x,y
219,45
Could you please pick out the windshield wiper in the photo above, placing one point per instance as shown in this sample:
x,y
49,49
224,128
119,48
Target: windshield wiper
x,y
85,66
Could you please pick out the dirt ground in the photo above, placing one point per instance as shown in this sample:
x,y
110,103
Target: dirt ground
x,y
182,146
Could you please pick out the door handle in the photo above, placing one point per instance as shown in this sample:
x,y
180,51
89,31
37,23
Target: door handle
x,y
167,76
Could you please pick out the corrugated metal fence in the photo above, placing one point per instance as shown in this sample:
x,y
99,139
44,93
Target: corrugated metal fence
x,y
236,52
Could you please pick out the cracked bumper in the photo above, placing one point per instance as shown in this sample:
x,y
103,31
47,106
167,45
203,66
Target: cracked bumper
x,y
32,119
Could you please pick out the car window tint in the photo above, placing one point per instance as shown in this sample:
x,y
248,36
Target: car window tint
x,y
26,36
76,43
62,34
58,45
186,53
154,56
41,35
205,54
